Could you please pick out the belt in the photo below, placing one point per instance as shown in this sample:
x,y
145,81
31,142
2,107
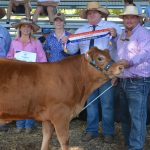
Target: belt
x,y
135,78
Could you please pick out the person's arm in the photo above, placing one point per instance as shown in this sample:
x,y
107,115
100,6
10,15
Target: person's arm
x,y
8,41
5,41
46,47
41,57
73,48
118,29
144,49
113,40
10,53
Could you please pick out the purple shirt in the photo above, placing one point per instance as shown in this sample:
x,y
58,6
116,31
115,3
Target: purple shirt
x,y
32,45
137,51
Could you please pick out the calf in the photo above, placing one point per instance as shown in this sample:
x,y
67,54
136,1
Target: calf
x,y
53,93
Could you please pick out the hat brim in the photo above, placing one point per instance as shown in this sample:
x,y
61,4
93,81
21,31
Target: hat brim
x,y
2,13
34,26
122,15
102,10
58,18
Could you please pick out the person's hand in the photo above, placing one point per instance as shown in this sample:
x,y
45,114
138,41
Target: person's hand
x,y
114,81
48,54
124,62
113,32
64,39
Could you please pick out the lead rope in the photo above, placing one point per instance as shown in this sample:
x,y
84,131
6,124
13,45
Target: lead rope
x,y
96,98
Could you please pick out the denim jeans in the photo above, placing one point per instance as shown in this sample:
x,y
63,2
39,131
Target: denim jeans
x,y
107,106
133,100
4,127
25,123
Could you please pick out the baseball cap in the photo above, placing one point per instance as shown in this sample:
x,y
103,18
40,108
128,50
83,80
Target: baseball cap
x,y
60,16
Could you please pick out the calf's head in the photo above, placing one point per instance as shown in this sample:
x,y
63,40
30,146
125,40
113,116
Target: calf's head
x,y
103,62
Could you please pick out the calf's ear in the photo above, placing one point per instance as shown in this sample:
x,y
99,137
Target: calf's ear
x,y
88,57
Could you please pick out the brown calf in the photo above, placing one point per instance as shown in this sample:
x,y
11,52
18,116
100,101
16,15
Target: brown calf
x,y
52,92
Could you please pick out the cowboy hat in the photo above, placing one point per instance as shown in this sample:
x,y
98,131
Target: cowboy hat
x,y
94,6
130,10
2,12
28,22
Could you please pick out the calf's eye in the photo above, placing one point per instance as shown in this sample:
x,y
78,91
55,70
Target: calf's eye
x,y
100,58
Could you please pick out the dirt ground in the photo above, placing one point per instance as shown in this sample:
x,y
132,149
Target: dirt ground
x,y
13,141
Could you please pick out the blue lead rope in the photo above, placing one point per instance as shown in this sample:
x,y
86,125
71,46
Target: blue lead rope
x,y
96,98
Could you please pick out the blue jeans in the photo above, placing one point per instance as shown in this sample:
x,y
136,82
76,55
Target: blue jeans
x,y
25,123
133,100
4,127
107,106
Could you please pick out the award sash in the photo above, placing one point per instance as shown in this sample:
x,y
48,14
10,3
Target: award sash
x,y
89,35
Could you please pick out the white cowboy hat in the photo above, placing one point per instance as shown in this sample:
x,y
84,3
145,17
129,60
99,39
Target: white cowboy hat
x,y
130,10
28,22
94,6
2,13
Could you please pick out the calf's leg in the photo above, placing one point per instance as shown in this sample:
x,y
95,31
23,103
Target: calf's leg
x,y
47,130
62,132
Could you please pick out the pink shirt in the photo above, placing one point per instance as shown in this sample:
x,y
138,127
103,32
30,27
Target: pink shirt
x,y
32,45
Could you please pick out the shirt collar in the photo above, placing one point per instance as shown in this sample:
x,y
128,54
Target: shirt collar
x,y
19,39
135,28
101,23
61,35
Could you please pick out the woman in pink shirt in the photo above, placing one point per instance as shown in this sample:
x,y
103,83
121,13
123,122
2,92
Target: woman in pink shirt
x,y
26,48
25,42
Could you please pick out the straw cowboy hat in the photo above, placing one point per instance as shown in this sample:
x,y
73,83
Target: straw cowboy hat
x,y
2,13
130,10
28,22
94,6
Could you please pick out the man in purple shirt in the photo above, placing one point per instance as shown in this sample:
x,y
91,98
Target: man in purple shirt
x,y
133,48
5,41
